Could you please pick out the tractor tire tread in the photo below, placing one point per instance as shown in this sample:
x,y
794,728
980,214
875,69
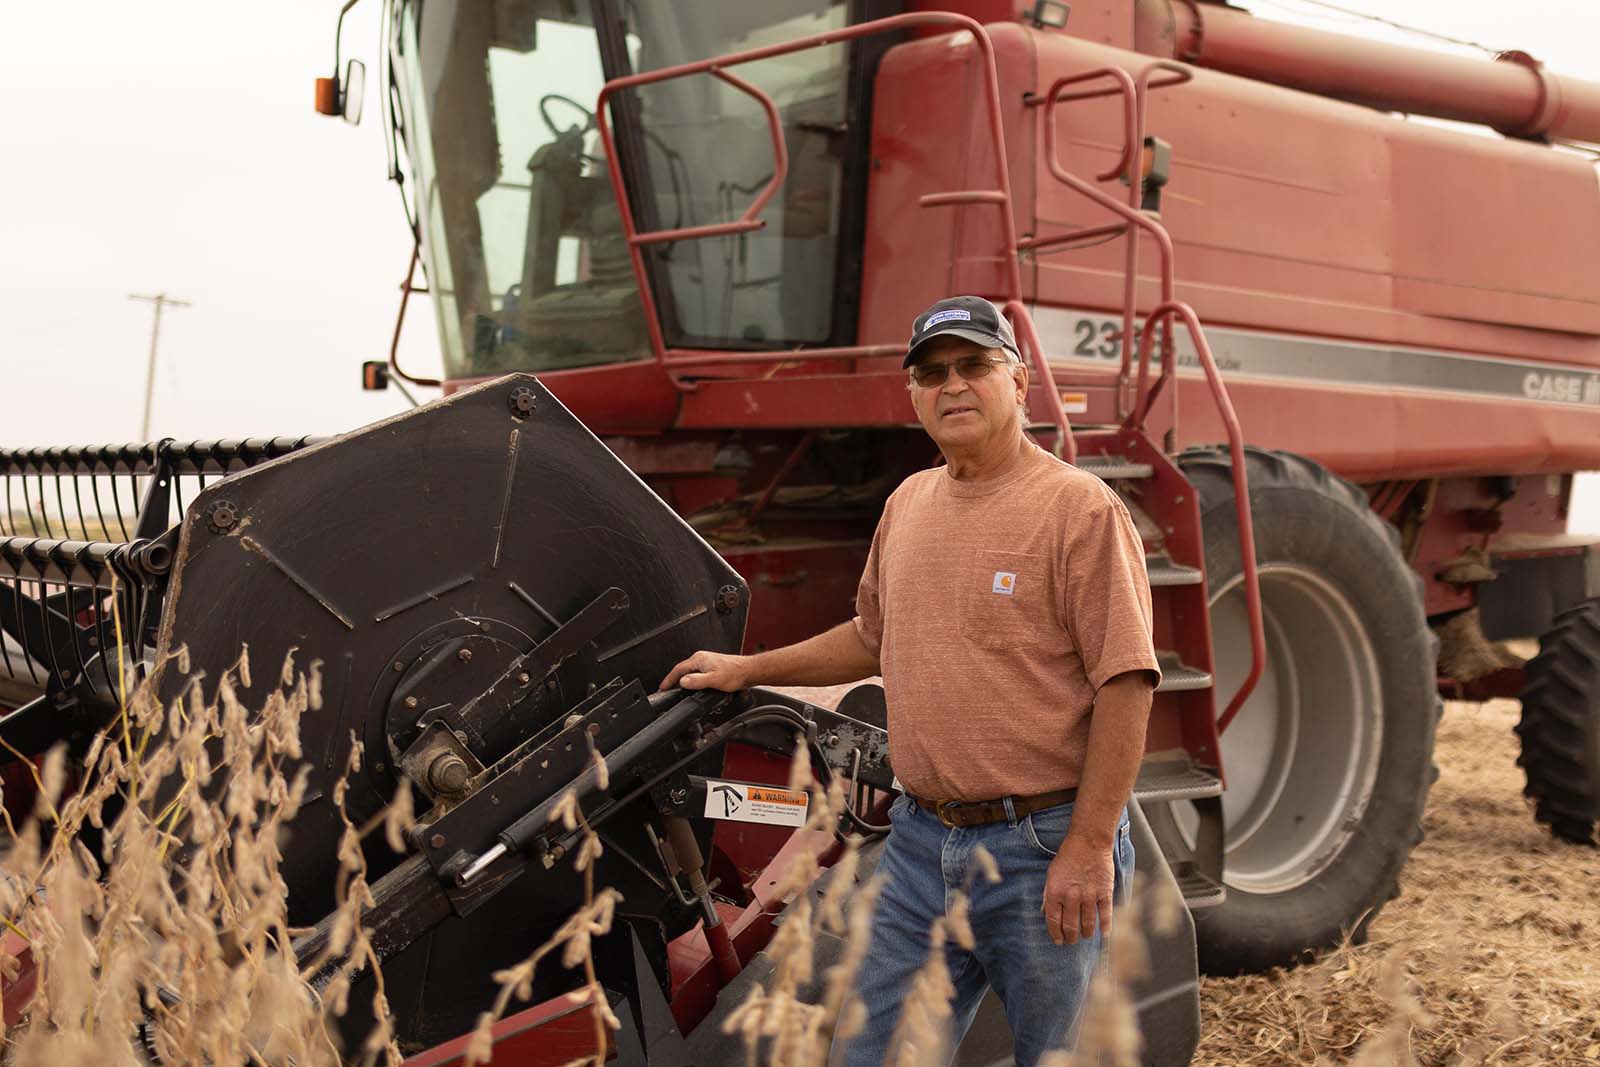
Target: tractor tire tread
x,y
1560,720
1209,469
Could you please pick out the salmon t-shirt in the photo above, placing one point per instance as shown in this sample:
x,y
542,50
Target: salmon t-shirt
x,y
998,608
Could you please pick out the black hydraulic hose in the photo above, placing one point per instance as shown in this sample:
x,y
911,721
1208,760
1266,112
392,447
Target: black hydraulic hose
x,y
521,834
756,716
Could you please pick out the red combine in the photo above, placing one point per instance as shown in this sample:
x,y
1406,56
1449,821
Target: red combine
x,y
710,233
707,235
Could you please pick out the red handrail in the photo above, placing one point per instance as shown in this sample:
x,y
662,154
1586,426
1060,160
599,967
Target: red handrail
x,y
1241,487
1136,92
1124,88
748,221
717,66
1018,313
1000,197
406,289
1129,213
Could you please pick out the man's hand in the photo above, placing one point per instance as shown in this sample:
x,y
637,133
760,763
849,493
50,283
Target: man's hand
x,y
710,670
1078,890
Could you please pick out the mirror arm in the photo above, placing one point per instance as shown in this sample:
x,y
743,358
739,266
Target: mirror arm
x,y
330,93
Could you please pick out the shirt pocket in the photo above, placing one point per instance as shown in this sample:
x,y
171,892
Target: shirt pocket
x,y
1004,598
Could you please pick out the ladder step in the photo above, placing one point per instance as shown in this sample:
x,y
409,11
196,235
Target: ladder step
x,y
1163,571
1176,677
1111,468
1199,890
1162,780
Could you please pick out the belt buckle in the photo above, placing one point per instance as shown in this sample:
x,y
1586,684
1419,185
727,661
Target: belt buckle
x,y
942,810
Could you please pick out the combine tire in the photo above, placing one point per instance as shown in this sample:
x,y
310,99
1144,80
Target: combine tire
x,y
1329,762
1560,728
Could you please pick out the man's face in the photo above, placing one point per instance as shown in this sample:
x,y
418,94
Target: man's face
x,y
969,414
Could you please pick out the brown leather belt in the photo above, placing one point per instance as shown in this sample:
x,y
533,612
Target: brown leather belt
x,y
979,812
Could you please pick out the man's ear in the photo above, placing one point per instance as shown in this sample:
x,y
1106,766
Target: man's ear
x,y
1020,375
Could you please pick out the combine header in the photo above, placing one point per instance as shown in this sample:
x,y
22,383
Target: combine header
x,y
707,235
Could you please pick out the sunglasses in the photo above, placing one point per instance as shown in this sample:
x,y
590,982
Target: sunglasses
x,y
928,375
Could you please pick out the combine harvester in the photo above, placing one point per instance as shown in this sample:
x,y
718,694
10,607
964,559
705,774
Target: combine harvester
x,y
706,237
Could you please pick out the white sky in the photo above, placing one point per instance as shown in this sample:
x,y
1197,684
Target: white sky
x,y
171,145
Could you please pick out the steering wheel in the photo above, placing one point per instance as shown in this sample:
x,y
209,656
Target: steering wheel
x,y
549,123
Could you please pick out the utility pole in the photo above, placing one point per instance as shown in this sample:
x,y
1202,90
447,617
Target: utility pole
x,y
160,300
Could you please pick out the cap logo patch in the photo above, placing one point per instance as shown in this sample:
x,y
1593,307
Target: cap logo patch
x,y
947,315
1005,583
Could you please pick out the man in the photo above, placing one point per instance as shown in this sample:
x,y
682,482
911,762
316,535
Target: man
x,y
1006,605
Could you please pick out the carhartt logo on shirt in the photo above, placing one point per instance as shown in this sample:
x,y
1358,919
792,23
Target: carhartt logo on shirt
x,y
1005,583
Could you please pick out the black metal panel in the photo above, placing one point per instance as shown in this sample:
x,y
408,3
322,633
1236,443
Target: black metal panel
x,y
1532,590
493,509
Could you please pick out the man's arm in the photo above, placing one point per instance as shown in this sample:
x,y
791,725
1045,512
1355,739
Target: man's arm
x,y
1080,885
833,657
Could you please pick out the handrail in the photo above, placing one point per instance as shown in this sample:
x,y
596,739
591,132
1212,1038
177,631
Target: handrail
x,y
748,221
1145,83
1000,197
1130,214
1241,487
1018,313
406,289
716,66
1135,94
1124,87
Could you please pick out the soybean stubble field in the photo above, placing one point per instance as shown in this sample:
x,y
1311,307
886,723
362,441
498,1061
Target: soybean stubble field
x,y
1490,956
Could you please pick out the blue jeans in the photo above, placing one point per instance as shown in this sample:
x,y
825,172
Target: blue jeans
x,y
1041,984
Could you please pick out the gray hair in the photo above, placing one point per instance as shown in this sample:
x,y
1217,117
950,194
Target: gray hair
x,y
1014,360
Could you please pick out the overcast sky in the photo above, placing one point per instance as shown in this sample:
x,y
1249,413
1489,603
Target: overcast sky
x,y
171,145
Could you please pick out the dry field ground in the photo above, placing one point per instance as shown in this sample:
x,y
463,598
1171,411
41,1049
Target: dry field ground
x,y
1490,956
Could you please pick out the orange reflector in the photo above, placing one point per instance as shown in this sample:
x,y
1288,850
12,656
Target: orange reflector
x,y
327,96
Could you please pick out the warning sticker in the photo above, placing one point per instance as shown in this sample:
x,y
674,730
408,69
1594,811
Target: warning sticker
x,y
1075,403
743,802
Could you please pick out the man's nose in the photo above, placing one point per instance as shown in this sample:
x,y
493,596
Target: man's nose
x,y
954,383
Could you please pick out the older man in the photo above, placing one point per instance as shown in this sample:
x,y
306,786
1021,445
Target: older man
x,y
1005,603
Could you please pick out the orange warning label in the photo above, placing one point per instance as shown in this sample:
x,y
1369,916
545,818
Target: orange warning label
x,y
778,796
1075,403
747,802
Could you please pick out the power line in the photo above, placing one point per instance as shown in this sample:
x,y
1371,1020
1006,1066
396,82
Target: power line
x,y
160,300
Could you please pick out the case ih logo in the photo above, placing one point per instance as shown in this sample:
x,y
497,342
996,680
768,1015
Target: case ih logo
x,y
1565,388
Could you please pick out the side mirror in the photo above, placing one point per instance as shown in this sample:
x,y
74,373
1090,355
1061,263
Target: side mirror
x,y
342,98
352,91
374,376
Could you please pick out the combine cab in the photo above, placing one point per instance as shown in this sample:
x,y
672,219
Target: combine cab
x,y
706,237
